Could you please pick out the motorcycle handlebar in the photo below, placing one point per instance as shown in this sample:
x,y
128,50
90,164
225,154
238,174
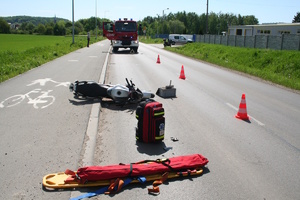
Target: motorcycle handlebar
x,y
128,84
127,81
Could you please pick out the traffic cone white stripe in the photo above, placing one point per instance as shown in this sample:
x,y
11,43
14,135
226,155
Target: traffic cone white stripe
x,y
242,112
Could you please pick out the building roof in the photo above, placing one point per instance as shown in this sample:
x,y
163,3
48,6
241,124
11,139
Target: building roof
x,y
267,24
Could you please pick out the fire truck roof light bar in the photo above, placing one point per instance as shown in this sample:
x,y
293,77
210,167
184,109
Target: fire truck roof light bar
x,y
125,19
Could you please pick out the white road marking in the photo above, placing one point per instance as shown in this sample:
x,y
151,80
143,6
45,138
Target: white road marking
x,y
235,108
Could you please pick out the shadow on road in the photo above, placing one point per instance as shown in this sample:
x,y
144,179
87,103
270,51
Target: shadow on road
x,y
80,102
111,105
125,51
157,148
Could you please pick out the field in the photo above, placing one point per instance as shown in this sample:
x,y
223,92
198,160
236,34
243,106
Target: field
x,y
280,67
15,43
20,53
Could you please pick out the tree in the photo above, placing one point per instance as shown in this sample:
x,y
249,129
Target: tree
x,y
223,22
250,20
4,26
41,29
49,29
296,18
193,23
149,20
213,23
23,26
165,28
59,28
78,27
30,27
68,24
181,16
202,22
89,24
176,26
240,20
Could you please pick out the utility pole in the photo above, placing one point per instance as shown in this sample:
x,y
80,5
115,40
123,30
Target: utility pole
x,y
207,17
73,21
96,19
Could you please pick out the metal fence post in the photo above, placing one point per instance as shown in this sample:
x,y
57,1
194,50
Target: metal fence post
x,y
299,43
282,40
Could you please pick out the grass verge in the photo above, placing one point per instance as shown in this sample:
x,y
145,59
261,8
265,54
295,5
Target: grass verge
x,y
280,67
149,40
20,53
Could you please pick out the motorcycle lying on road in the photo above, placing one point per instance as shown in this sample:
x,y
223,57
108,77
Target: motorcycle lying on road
x,y
120,94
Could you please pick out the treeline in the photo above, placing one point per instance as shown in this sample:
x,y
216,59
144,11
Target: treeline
x,y
48,26
180,22
34,20
192,23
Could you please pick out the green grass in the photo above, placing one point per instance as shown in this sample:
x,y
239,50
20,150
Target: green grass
x,y
149,40
280,67
20,53
15,43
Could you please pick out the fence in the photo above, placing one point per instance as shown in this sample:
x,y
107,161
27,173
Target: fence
x,y
283,42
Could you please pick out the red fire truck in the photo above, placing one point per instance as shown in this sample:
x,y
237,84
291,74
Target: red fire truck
x,y
122,33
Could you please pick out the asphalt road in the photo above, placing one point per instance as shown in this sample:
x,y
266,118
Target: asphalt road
x,y
42,127
259,159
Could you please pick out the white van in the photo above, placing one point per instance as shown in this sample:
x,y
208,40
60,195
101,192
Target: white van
x,y
179,39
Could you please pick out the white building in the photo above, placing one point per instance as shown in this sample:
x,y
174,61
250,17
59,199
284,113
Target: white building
x,y
276,29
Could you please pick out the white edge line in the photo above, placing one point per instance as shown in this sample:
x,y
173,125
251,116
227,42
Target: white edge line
x,y
235,108
92,128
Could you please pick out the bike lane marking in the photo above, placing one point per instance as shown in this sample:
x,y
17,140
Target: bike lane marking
x,y
43,98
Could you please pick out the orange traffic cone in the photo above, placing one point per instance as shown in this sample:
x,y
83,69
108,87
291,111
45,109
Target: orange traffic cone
x,y
242,112
182,76
158,60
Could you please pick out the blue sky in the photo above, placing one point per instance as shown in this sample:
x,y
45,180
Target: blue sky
x,y
267,11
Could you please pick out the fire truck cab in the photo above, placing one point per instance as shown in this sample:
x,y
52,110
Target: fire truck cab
x,y
122,33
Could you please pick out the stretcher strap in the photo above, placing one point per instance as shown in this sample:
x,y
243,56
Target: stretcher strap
x,y
114,187
91,194
155,188
73,176
166,162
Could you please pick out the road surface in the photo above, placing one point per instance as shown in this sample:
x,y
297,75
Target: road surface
x,y
259,159
42,127
46,132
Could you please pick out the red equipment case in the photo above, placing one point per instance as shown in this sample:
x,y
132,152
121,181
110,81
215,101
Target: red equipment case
x,y
151,122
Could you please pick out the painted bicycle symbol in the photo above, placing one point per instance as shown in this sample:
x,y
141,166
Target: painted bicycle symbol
x,y
42,101
42,82
38,98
